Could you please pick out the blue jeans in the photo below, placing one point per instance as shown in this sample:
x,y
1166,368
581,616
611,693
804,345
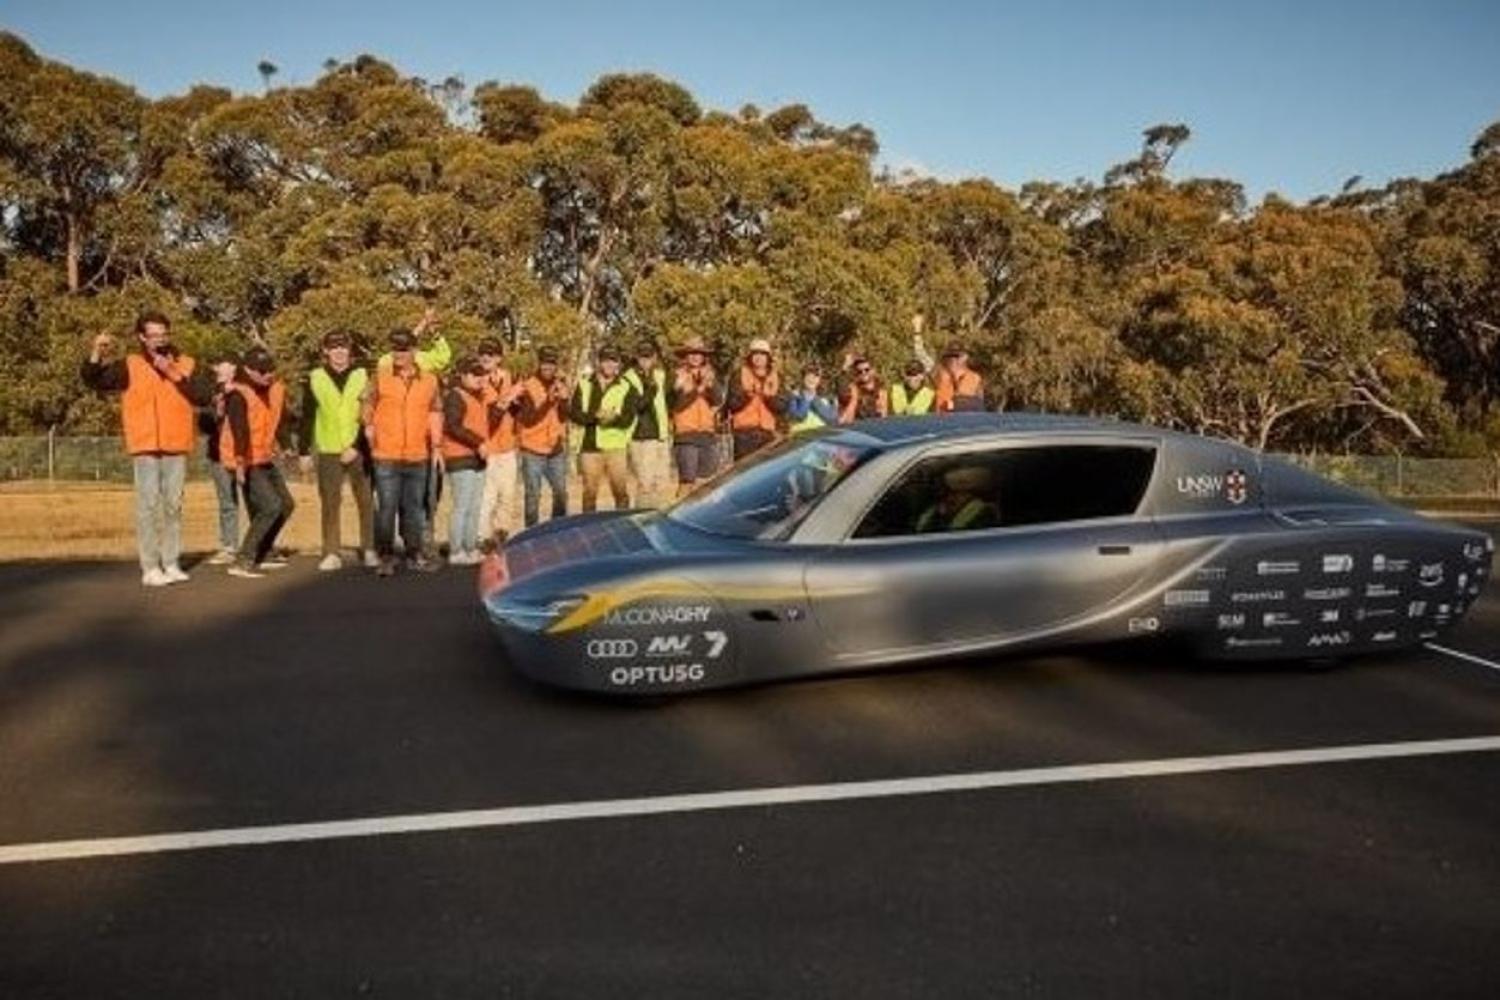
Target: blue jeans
x,y
463,529
158,508
229,505
554,468
400,489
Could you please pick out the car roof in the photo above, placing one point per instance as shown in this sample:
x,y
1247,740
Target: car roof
x,y
953,426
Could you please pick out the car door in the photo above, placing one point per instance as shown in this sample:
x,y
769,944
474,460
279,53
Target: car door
x,y
1051,562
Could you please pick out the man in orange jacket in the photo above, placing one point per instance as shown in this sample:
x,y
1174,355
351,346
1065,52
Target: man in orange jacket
x,y
755,401
959,387
253,408
159,386
403,420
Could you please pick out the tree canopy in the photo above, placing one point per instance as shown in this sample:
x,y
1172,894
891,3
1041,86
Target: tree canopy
x,y
1367,319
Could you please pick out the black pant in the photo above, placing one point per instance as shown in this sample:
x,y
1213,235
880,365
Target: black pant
x,y
331,476
270,504
750,441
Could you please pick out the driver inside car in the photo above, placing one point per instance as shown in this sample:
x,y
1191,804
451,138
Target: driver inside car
x,y
964,504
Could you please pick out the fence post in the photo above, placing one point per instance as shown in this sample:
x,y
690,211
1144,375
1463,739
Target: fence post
x,y
51,456
1400,474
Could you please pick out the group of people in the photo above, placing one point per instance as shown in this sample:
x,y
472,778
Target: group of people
x,y
417,421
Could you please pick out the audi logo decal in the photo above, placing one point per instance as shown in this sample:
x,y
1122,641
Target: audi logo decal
x,y
611,649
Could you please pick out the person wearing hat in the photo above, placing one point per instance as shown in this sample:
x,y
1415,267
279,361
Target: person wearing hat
x,y
965,504
650,437
863,397
466,446
959,387
809,408
403,419
502,466
253,408
912,395
159,386
226,490
695,400
435,358
330,441
605,405
541,422
755,400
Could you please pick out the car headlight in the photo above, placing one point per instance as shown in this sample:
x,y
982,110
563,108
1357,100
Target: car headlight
x,y
532,617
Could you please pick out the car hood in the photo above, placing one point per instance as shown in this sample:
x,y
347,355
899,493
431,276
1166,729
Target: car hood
x,y
606,534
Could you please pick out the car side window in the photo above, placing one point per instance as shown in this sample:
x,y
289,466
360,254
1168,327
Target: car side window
x,y
1010,487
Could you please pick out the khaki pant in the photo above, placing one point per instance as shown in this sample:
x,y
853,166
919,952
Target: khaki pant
x,y
500,478
651,461
595,467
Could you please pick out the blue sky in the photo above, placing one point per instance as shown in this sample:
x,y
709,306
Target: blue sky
x,y
1291,97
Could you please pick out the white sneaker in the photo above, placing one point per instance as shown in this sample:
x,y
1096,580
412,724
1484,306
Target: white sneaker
x,y
154,577
371,559
246,572
174,574
272,562
330,563
223,557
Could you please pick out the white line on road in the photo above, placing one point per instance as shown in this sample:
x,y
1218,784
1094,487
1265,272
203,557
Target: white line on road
x,y
697,802
1460,654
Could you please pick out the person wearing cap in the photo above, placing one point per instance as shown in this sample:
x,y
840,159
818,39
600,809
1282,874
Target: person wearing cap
x,y
435,358
809,408
330,441
226,490
912,395
863,397
403,419
959,387
159,386
502,466
695,400
466,448
541,422
755,401
650,437
605,406
964,505
252,422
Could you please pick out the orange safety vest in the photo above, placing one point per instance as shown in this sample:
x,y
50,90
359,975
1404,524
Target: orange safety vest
x,y
263,416
850,412
403,414
695,418
503,437
157,417
541,438
969,386
755,414
476,421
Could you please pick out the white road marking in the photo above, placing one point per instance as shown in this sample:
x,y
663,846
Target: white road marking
x,y
745,798
1460,654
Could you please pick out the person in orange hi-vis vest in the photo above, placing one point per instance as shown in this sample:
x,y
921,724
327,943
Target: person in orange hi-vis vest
x,y
959,387
755,400
695,399
403,418
159,387
502,464
466,449
541,425
253,408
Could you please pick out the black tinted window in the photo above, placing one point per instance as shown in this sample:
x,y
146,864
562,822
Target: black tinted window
x,y
1010,487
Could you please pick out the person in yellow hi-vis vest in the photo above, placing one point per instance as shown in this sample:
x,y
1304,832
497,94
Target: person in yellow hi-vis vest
x,y
913,395
651,437
332,444
604,405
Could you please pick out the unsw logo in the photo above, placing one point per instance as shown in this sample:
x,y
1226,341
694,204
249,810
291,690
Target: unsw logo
x,y
1233,485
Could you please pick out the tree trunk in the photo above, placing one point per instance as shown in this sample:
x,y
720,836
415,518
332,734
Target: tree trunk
x,y
75,252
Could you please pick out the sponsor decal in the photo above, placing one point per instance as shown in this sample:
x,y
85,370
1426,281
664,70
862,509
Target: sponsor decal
x,y
669,645
1463,581
1274,567
1387,635
1236,486
1365,614
1322,640
1279,619
673,673
1138,625
1259,642
1256,596
1416,609
1211,574
611,649
683,615
1443,609
1385,564
1232,621
1186,598
1202,486
1430,574
1381,590
1327,593
1329,616
1339,562
1473,551
1432,634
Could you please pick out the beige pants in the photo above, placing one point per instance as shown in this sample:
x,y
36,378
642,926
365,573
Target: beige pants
x,y
595,467
500,478
651,462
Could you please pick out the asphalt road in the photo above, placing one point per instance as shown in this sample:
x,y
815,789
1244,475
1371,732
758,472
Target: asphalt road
x,y
307,697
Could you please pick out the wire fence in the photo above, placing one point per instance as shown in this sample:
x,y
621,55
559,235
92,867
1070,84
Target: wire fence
x,y
103,460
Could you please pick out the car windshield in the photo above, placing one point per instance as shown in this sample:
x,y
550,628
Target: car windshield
x,y
768,495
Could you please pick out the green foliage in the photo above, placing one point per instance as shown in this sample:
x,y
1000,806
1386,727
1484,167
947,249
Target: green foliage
x,y
1367,319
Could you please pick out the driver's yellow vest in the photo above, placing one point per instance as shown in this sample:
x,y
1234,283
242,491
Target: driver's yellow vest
x,y
608,438
916,405
966,516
